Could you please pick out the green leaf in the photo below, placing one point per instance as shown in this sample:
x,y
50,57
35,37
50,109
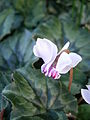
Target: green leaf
x,y
47,116
16,51
34,95
62,116
80,40
25,118
4,80
54,115
9,21
33,13
50,29
84,112
7,112
58,7
4,5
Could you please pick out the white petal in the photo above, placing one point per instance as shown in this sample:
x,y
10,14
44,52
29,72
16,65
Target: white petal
x,y
64,47
64,63
88,86
86,95
43,67
45,49
75,58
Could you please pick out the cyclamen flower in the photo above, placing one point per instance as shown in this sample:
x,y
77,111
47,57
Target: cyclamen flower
x,y
55,63
86,94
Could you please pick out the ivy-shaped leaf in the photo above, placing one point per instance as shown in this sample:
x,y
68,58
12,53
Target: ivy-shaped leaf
x,y
36,95
9,21
16,51
33,13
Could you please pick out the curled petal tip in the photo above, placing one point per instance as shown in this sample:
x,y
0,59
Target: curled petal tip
x,y
58,76
86,95
68,43
88,86
65,46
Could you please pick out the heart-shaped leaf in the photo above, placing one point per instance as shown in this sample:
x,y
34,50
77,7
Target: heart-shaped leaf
x,y
50,29
16,51
33,13
34,95
9,21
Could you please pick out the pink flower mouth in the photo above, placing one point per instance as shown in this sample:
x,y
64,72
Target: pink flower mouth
x,y
52,72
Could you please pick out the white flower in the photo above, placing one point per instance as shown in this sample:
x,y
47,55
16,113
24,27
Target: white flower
x,y
55,63
86,94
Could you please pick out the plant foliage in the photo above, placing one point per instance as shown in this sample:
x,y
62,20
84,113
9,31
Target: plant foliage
x,y
25,93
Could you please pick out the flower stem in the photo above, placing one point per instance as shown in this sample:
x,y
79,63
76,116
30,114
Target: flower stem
x,y
2,112
70,79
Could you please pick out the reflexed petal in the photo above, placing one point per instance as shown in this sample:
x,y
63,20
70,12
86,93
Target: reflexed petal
x,y
65,47
88,86
75,58
86,95
64,63
45,49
